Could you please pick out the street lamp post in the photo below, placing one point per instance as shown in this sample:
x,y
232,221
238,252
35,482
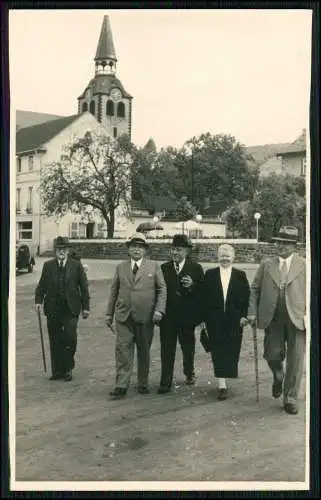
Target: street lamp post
x,y
257,217
198,219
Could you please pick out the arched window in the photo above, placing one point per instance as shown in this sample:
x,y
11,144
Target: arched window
x,y
92,107
84,107
121,110
110,108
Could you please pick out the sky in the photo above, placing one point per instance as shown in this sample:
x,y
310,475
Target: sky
x,y
239,72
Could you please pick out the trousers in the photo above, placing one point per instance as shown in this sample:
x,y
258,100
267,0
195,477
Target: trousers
x,y
169,334
129,334
284,342
62,332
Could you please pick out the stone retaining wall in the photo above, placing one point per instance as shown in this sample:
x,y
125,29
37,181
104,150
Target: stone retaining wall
x,y
201,252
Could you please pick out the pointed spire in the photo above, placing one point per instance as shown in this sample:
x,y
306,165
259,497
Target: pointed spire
x,y
105,48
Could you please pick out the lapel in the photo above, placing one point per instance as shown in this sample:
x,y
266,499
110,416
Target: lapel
x,y
273,269
54,273
295,268
229,288
68,269
128,271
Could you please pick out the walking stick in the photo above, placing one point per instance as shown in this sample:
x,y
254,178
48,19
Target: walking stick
x,y
256,363
42,343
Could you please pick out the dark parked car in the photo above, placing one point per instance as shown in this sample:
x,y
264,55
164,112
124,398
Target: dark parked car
x,y
24,258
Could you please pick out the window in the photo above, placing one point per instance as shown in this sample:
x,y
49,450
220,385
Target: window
x,y
18,165
101,231
77,230
84,107
25,230
303,166
115,132
110,108
121,110
30,162
92,107
29,203
195,233
18,200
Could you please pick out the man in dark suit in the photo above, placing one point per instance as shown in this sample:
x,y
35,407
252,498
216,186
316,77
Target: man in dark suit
x,y
225,299
63,287
183,279
278,305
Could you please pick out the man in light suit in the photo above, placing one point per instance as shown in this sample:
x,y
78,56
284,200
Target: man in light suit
x,y
225,300
137,300
278,305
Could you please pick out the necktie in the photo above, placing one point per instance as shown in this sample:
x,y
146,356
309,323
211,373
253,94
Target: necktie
x,y
177,267
135,269
61,264
284,273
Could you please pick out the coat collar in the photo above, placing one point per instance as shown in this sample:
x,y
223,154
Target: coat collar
x,y
295,268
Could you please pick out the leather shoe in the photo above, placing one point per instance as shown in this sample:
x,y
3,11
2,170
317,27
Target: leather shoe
x,y
56,376
163,390
277,386
291,408
190,380
222,394
143,390
68,376
118,392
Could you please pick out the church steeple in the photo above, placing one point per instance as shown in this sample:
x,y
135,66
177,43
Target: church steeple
x,y
105,59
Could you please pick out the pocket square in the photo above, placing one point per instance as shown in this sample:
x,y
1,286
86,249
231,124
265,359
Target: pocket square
x,y
205,340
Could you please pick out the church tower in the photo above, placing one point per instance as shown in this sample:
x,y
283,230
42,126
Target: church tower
x,y
105,96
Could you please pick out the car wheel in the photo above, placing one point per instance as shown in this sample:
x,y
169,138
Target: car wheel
x,y
30,268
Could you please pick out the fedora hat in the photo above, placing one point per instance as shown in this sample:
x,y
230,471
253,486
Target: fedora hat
x,y
286,236
61,242
137,238
181,240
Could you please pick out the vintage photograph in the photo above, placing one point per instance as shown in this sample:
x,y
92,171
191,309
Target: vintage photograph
x,y
159,310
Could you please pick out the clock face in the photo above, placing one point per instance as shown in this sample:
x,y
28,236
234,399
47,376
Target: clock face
x,y
115,94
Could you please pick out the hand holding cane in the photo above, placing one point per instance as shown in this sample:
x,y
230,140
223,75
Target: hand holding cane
x,y
41,338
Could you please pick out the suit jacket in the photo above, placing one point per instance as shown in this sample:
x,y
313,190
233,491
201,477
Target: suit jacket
x,y
182,305
220,319
265,291
139,295
76,287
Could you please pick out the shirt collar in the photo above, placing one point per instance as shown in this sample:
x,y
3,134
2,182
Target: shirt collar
x,y
288,260
137,262
226,270
180,265
64,261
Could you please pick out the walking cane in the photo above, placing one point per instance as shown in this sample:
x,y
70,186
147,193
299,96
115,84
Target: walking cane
x,y
42,343
256,363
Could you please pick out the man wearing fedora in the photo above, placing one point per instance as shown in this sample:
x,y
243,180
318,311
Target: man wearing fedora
x,y
137,301
63,288
183,280
278,305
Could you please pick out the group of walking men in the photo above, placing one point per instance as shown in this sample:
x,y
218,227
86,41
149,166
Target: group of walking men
x,y
178,296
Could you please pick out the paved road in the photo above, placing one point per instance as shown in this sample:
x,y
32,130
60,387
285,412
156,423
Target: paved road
x,y
98,269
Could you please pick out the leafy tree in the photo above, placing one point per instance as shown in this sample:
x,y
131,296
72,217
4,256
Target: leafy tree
x,y
185,209
95,175
280,200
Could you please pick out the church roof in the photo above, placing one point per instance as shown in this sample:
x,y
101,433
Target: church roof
x,y
31,138
103,84
105,49
29,118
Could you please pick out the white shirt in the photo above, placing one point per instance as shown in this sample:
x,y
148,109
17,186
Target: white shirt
x,y
225,274
63,262
137,262
180,266
288,261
